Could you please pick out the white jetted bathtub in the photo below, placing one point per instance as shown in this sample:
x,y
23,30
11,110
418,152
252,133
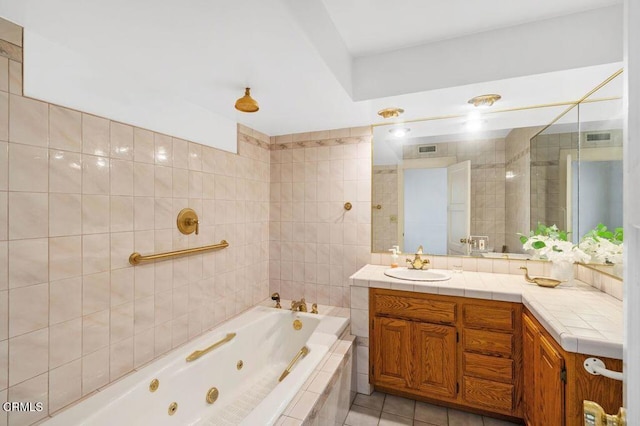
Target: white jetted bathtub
x,y
244,369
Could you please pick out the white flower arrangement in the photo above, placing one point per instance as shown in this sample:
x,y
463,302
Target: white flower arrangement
x,y
552,244
603,245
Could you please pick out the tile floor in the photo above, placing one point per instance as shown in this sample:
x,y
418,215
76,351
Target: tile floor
x,y
389,410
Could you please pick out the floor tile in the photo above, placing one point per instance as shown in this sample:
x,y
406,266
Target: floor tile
x,y
373,401
431,414
401,406
361,416
388,419
462,418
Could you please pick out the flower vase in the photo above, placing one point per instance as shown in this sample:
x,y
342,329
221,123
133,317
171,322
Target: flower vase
x,y
563,271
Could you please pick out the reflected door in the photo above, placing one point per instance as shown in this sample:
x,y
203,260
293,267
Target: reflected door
x,y
458,207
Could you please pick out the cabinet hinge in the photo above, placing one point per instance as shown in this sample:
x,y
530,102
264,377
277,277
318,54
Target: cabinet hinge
x,y
372,323
457,336
373,369
563,375
457,388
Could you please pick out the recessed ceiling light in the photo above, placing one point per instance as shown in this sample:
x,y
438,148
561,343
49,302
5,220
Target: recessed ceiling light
x,y
485,100
390,112
400,132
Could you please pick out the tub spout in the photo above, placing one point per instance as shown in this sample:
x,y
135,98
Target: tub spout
x,y
300,306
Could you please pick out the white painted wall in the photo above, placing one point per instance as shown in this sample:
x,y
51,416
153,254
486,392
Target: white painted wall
x,y
572,41
632,211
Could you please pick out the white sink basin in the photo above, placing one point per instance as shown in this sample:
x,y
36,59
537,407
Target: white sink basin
x,y
418,274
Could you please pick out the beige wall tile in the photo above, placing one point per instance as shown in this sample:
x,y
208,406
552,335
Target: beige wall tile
x,y
121,358
144,314
143,180
163,177
65,129
34,389
4,319
4,166
4,116
28,262
143,212
15,77
143,347
10,32
163,149
65,385
28,121
195,156
121,213
95,293
121,249
4,219
95,331
121,322
162,343
180,153
28,356
121,141
95,175
143,146
95,135
95,214
95,370
95,253
65,300
28,212
121,286
28,168
29,309
65,257
4,265
65,342
65,172
65,214
121,177
4,364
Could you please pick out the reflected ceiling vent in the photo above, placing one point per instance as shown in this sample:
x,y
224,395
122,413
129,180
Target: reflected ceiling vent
x,y
427,149
598,137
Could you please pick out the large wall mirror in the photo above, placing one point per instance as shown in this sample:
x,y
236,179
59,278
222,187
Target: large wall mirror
x,y
468,185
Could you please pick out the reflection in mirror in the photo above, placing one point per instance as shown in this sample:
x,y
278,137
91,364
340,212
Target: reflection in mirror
x,y
455,189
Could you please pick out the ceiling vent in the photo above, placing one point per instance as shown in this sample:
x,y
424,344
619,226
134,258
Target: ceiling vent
x,y
424,149
598,137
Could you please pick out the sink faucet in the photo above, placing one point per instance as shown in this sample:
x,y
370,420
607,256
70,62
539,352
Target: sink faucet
x,y
417,262
300,306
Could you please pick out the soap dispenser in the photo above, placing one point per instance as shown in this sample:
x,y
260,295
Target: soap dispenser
x,y
395,251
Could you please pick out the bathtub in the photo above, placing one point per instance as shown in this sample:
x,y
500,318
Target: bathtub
x,y
245,370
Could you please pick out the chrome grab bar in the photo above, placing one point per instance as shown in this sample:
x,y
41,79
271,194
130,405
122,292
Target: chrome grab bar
x,y
197,354
301,353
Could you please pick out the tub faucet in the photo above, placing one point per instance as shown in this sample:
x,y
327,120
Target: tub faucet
x,y
418,262
300,306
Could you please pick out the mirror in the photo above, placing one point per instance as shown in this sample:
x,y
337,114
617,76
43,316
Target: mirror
x,y
576,170
520,171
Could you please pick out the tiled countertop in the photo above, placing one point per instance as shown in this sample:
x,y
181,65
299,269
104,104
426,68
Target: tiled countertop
x,y
581,318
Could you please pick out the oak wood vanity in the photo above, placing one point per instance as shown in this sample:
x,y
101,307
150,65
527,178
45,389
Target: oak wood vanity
x,y
486,356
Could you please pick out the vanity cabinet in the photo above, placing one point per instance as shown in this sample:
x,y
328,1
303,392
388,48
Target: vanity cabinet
x,y
556,383
459,351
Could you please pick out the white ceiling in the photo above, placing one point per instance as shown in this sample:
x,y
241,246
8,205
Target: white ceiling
x,y
178,69
374,26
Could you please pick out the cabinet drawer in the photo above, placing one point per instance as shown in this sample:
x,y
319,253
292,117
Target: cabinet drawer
x,y
489,394
488,342
496,318
488,367
415,308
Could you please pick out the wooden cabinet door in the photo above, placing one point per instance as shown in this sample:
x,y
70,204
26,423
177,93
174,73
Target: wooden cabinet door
x,y
392,352
530,340
550,387
435,358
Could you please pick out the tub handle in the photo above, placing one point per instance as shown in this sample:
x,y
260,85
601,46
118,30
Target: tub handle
x,y
197,354
301,353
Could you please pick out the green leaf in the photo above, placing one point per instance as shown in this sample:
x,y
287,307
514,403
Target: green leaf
x,y
538,245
